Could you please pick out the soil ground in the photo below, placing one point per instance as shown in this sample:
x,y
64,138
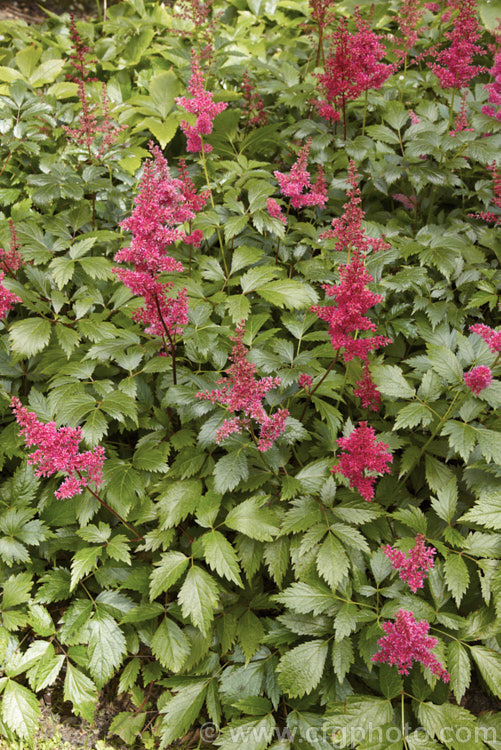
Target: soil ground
x,y
31,11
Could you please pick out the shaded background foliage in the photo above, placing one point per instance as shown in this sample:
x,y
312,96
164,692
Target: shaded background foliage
x,y
255,595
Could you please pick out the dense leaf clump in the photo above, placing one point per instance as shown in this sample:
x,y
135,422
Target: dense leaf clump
x,y
249,369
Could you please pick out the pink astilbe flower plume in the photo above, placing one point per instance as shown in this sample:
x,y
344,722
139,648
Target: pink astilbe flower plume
x,y
408,18
11,260
352,67
366,390
478,379
493,109
347,230
95,130
200,104
305,381
491,337
414,565
58,451
275,210
253,104
453,66
7,299
243,392
347,317
296,184
461,124
489,216
363,459
406,641
163,205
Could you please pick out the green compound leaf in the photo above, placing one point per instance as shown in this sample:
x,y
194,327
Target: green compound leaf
x,y
181,711
332,561
300,669
106,647
81,691
391,382
456,576
171,567
198,598
221,556
489,664
20,710
253,520
459,668
30,336
170,645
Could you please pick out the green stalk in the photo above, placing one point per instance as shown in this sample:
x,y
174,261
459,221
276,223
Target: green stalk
x,y
204,165
365,111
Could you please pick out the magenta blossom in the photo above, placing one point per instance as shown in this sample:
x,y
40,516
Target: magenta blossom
x,y
453,66
363,459
58,451
297,186
275,210
348,230
7,299
478,379
305,381
243,392
346,318
352,67
11,260
493,109
406,641
202,105
366,390
414,565
491,337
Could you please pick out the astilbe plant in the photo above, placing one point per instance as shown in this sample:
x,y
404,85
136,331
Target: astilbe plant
x,y
163,205
493,108
353,66
243,393
96,130
454,65
353,298
297,186
406,641
58,451
363,459
201,104
413,566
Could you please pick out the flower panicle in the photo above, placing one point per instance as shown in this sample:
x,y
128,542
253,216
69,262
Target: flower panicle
x,y
491,337
407,641
200,104
242,392
353,66
297,186
363,459
413,566
478,379
453,66
163,205
58,451
11,260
